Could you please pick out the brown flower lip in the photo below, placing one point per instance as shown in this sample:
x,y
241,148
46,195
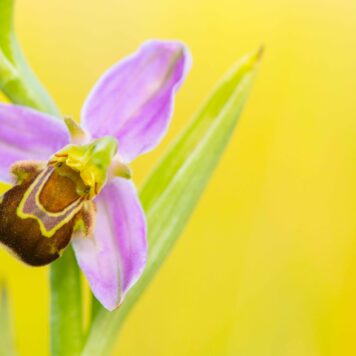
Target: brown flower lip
x,y
23,236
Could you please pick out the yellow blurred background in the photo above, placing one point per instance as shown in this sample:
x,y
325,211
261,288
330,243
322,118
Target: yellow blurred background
x,y
267,265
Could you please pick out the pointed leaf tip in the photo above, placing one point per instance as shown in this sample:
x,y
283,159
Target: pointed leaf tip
x,y
260,52
248,63
256,57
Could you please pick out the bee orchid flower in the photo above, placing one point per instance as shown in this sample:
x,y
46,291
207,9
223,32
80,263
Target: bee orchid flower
x,y
72,183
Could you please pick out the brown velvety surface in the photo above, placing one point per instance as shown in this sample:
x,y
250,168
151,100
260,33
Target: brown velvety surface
x,y
58,192
23,236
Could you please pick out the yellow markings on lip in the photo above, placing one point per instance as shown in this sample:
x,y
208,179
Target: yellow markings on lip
x,y
33,193
92,161
53,202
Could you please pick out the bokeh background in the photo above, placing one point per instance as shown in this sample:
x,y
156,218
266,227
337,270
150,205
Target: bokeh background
x,y
267,265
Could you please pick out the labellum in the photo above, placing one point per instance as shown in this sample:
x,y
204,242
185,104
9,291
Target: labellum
x,y
39,215
51,202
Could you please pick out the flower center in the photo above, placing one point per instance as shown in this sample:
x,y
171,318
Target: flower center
x,y
73,176
86,165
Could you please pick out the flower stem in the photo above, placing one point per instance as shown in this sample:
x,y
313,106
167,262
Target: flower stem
x,y
66,307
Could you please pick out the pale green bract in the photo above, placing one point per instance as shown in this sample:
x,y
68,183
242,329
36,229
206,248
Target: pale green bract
x,y
187,167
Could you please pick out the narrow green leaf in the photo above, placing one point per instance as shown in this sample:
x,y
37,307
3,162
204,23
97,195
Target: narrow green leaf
x,y
172,191
18,82
7,345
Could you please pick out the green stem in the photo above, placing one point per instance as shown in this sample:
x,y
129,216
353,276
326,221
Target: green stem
x,y
66,304
20,85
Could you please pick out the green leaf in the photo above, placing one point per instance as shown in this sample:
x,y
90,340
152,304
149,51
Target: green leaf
x,y
7,345
171,193
17,80
21,86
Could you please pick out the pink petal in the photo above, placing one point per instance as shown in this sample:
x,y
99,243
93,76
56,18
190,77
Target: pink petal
x,y
113,259
133,100
26,134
